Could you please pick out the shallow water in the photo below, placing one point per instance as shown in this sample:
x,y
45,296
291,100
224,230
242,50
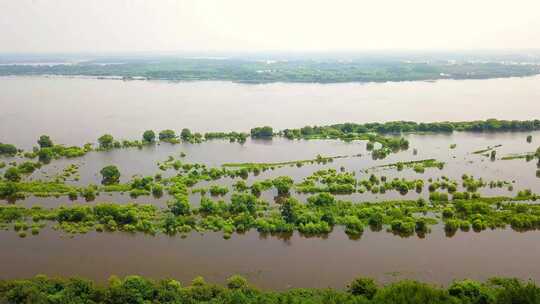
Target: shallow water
x,y
133,161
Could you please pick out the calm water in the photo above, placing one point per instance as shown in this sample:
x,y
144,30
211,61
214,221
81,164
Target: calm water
x,y
275,263
75,111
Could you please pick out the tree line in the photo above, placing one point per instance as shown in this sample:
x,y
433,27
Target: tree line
x,y
138,290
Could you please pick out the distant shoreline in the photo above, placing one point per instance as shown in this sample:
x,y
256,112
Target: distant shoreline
x,y
260,72
139,78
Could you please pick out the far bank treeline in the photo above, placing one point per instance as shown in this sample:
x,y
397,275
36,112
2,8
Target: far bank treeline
x,y
373,132
292,70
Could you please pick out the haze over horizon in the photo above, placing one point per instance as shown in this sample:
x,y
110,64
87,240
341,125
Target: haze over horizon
x,y
70,26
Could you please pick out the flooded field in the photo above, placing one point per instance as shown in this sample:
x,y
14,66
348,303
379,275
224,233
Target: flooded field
x,y
274,260
459,160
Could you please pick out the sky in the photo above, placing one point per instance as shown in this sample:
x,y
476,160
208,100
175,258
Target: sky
x,y
43,26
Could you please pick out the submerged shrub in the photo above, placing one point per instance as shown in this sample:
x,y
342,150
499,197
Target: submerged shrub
x,y
110,175
283,184
322,199
149,136
363,287
106,141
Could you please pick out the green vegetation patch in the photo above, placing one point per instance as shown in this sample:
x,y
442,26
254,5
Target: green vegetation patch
x,y
489,148
425,163
137,289
318,160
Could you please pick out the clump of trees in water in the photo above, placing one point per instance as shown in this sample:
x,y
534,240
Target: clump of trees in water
x,y
149,136
319,215
372,132
106,141
185,135
330,180
110,175
262,132
45,141
168,136
338,130
137,289
239,137
8,149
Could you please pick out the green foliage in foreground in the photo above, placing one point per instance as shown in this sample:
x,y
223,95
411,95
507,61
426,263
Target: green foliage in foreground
x,y
136,289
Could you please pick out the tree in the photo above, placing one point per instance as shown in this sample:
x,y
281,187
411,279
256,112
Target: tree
x,y
237,282
322,199
180,205
185,134
106,141
45,141
110,175
149,136
283,184
133,289
7,149
157,190
243,202
8,190
262,132
13,174
287,210
470,291
363,287
45,155
166,135
413,292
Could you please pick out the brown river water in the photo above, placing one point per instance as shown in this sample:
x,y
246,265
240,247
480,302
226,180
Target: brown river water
x,y
75,111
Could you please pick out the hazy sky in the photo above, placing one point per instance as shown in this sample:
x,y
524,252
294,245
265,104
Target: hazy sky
x,y
255,25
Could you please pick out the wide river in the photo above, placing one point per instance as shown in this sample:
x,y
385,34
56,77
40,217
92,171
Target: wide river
x,y
78,110
75,110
